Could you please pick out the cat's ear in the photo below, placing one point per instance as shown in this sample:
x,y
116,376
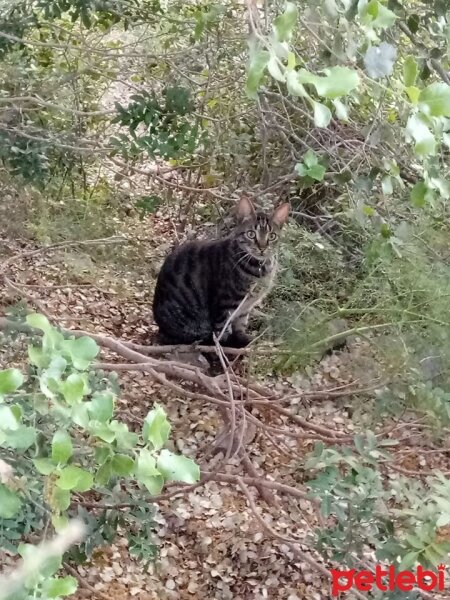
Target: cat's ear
x,y
245,209
281,214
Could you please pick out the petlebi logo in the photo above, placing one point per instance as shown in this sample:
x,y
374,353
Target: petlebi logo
x,y
387,579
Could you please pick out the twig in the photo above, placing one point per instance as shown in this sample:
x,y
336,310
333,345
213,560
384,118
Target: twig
x,y
207,476
266,495
293,544
45,103
44,249
85,584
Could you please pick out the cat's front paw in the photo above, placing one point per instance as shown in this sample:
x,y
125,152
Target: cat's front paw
x,y
238,339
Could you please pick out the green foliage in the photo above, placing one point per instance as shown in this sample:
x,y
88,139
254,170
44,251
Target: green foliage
x,y
102,14
273,53
284,24
339,111
398,520
9,503
148,205
169,130
423,113
61,424
397,296
310,167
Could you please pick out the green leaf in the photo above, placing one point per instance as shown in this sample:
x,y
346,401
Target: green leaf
x,y
39,322
436,99
49,380
74,388
339,81
420,194
425,141
176,467
359,442
122,465
316,172
52,337
154,484
82,351
442,185
60,522
410,71
305,76
60,586
284,24
156,429
274,69
104,473
322,114
301,169
75,479
147,473
371,440
310,159
62,448
149,204
291,61
413,93
101,407
125,439
80,415
443,503
60,499
38,357
44,465
103,431
413,22
8,420
386,185
443,520
256,69
10,381
294,86
102,453
9,503
414,541
21,438
376,15
145,464
408,561
341,110
435,553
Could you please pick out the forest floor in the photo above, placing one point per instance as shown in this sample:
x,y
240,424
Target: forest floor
x,y
210,542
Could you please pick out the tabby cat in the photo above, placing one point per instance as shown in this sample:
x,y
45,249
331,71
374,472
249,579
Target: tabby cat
x,y
209,287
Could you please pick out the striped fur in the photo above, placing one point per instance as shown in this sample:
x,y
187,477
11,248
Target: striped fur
x,y
205,285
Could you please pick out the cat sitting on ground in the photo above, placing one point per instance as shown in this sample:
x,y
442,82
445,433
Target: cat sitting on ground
x,y
210,287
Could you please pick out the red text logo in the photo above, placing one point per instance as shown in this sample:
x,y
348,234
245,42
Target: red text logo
x,y
387,579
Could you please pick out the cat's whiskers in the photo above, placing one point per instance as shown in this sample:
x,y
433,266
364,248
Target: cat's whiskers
x,y
246,254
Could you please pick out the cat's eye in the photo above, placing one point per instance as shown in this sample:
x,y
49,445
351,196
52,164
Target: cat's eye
x,y
251,234
272,237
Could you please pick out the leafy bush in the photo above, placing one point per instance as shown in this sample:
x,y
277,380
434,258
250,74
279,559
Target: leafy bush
x,y
402,518
59,433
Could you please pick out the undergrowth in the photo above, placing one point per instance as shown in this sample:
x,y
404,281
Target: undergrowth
x,y
395,296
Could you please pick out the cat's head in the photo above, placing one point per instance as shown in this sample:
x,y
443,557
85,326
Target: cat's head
x,y
257,232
